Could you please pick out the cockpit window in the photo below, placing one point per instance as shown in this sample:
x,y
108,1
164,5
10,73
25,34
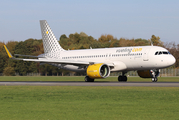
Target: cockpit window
x,y
162,52
156,53
166,53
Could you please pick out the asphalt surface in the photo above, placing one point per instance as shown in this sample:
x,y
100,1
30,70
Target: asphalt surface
x,y
69,83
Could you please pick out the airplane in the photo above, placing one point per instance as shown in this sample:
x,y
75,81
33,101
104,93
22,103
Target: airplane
x,y
99,63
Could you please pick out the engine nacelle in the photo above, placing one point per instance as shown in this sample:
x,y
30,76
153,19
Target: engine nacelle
x,y
98,71
148,73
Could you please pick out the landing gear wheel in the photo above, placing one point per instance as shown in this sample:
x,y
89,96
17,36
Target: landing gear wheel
x,y
125,78
88,79
122,78
155,79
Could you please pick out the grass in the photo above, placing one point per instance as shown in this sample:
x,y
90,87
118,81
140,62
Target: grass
x,y
89,103
81,78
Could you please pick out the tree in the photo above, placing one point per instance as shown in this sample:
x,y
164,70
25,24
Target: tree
x,y
141,42
28,47
105,38
82,34
1,46
9,71
63,37
11,46
76,38
156,41
3,60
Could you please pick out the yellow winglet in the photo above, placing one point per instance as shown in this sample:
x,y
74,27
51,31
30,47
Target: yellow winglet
x,y
9,54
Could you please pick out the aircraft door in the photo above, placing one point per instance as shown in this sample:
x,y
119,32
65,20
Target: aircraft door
x,y
146,54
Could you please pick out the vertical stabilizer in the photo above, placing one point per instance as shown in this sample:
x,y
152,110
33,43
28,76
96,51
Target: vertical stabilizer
x,y
50,43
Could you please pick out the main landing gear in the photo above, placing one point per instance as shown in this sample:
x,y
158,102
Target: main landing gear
x,y
123,77
154,79
88,79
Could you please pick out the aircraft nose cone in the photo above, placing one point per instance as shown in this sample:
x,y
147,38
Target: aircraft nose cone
x,y
172,60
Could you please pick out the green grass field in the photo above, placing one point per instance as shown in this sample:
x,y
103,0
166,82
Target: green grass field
x,y
87,102
81,78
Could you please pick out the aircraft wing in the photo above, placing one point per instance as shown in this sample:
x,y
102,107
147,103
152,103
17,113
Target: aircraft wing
x,y
58,61
28,56
45,60
69,62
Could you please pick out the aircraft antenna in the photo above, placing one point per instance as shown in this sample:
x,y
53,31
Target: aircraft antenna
x,y
151,42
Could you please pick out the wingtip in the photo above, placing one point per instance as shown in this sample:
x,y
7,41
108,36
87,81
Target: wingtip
x,y
8,53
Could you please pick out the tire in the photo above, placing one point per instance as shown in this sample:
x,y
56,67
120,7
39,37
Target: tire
x,y
154,79
88,79
122,78
125,78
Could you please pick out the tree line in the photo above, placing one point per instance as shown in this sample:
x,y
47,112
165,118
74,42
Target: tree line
x,y
73,41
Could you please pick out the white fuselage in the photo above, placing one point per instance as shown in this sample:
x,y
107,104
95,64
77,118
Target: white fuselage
x,y
122,58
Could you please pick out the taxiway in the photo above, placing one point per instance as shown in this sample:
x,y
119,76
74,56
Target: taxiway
x,y
70,83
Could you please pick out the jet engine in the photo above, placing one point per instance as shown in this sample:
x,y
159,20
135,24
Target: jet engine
x,y
98,71
148,73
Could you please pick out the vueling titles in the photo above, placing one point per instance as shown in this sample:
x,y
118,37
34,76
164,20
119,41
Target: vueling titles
x,y
129,50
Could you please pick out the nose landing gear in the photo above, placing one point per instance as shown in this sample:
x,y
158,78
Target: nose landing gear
x,y
155,73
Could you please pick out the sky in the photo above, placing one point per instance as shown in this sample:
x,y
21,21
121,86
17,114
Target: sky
x,y
19,20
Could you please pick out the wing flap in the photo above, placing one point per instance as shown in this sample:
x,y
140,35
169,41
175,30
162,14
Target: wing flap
x,y
28,56
58,61
69,62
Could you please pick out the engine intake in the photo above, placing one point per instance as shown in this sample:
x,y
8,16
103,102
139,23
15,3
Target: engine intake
x,y
148,73
98,71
